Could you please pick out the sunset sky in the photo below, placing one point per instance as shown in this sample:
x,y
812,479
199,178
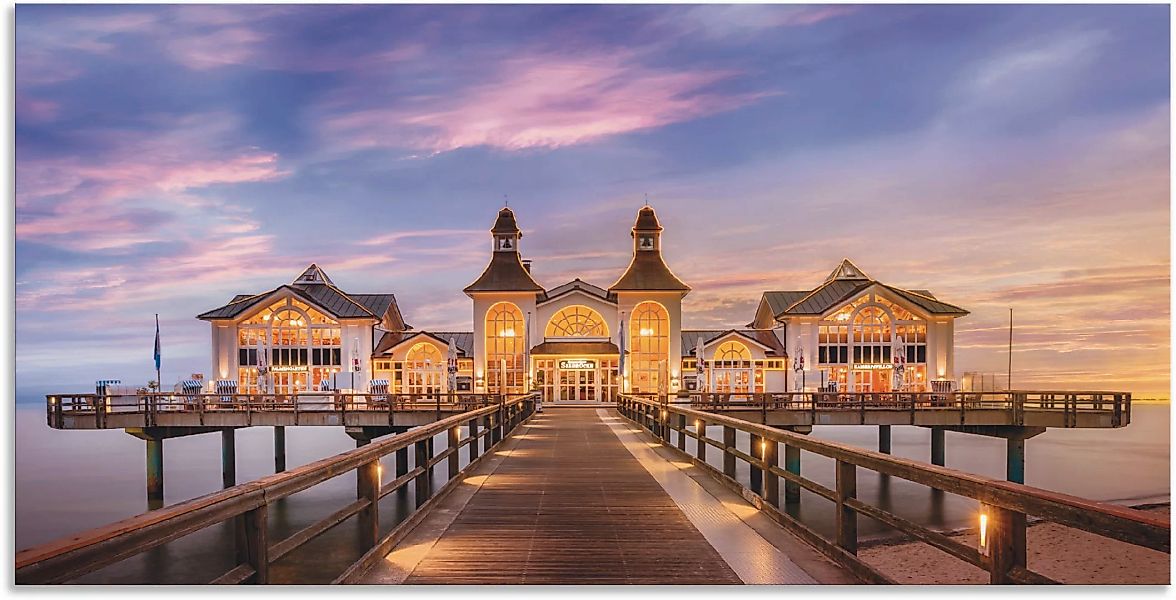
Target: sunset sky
x,y
168,158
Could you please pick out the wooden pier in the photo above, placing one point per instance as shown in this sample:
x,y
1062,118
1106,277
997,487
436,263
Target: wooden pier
x,y
611,495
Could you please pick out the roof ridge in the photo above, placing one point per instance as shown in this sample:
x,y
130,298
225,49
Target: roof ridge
x,y
348,297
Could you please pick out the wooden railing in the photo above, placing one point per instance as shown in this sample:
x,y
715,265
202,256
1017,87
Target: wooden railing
x,y
246,505
151,404
1006,504
1117,405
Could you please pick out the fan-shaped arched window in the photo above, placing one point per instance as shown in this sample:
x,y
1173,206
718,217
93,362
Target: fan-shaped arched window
x,y
576,321
504,349
649,348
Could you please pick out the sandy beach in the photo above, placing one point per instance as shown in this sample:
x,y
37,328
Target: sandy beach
x,y
1060,553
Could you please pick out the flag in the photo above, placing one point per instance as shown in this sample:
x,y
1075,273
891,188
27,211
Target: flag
x,y
157,354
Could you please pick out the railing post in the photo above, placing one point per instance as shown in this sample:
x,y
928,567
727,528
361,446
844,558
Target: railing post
x,y
368,477
681,432
938,443
402,462
846,517
422,480
756,448
1007,535
252,542
771,454
279,449
455,447
700,443
728,458
884,439
228,457
474,440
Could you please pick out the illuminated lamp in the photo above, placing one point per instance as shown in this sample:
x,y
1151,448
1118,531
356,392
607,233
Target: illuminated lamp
x,y
985,518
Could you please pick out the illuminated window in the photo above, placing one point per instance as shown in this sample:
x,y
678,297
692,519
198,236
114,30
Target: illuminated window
x,y
649,348
504,349
424,369
304,347
576,321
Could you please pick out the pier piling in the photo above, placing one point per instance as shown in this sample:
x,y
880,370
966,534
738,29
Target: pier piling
x,y
154,473
884,439
792,465
279,449
228,458
757,474
1015,459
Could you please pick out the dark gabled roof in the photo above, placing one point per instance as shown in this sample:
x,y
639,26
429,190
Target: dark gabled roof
x,y
315,287
505,273
575,348
926,302
464,340
763,337
577,285
648,272
828,295
779,302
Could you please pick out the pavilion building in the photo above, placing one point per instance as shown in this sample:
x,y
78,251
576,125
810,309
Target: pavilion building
x,y
567,341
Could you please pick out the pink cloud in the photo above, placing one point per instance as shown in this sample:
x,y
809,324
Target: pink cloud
x,y
542,101
35,110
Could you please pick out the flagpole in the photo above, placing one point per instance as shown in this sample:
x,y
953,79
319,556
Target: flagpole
x,y
158,378
1010,384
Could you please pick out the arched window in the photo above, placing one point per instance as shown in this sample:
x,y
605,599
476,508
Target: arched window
x,y
732,354
649,348
871,336
304,348
504,349
731,368
576,321
424,369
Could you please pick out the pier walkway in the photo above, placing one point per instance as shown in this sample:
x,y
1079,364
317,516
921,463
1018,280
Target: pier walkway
x,y
558,503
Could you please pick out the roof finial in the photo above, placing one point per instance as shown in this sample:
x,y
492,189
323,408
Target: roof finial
x,y
506,200
646,198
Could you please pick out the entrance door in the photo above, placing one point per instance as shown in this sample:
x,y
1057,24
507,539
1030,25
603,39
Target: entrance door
x,y
872,380
577,386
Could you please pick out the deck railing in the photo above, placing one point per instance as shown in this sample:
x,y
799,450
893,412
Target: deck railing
x,y
246,505
1005,504
152,404
1117,405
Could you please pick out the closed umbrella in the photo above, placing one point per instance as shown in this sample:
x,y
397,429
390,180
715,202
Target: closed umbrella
x,y
262,367
451,366
898,358
700,355
798,363
622,338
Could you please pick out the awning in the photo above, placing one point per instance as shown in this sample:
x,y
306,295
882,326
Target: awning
x,y
565,348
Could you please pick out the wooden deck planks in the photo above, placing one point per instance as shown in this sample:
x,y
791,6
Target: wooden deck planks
x,y
571,506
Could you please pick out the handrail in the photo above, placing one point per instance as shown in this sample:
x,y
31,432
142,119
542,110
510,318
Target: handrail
x,y
150,406
1010,503
77,555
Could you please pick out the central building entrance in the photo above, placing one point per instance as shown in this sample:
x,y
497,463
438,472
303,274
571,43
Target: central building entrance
x,y
592,379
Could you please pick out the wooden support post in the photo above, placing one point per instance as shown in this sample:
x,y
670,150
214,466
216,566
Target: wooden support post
x,y
279,449
681,432
253,542
792,465
846,517
402,462
1015,459
771,480
700,448
422,480
1006,543
757,474
454,445
937,446
228,458
359,489
369,488
154,473
728,458
473,439
884,439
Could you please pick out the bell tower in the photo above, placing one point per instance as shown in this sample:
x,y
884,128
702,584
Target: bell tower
x,y
506,232
647,231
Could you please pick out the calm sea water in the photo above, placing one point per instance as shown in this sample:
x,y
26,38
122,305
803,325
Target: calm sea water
x,y
70,481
